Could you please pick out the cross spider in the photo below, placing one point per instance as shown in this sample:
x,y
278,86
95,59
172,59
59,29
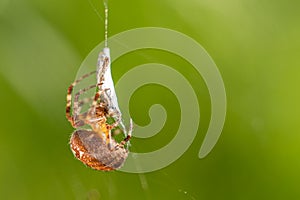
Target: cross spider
x,y
96,147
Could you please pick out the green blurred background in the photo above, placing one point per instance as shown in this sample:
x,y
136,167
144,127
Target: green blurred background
x,y
256,47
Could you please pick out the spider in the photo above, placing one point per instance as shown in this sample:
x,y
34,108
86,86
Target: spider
x,y
96,147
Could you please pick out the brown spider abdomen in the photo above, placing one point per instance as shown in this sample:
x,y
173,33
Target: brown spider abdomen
x,y
92,150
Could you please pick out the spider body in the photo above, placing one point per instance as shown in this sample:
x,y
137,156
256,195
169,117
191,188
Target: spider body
x,y
95,147
92,150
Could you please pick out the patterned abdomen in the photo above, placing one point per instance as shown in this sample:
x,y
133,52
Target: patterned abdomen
x,y
92,150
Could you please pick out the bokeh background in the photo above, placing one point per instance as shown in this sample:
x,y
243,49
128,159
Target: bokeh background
x,y
256,47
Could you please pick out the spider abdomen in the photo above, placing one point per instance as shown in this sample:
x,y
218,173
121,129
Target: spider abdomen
x,y
89,147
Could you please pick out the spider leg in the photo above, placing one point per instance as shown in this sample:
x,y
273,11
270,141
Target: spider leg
x,y
106,95
79,118
130,127
127,138
98,126
69,97
114,113
117,117
102,66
